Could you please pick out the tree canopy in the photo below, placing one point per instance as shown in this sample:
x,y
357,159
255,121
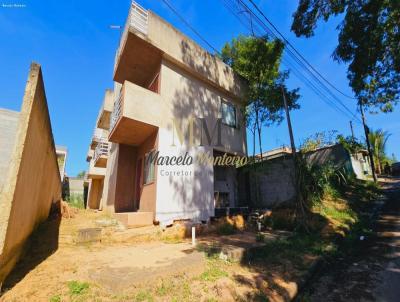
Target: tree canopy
x,y
369,41
258,60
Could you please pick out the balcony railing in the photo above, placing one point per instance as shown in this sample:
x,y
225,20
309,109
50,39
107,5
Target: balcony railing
x,y
101,150
138,18
99,134
117,111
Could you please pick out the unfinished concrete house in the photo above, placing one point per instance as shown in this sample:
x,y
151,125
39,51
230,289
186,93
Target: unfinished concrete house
x,y
98,154
29,176
62,153
169,96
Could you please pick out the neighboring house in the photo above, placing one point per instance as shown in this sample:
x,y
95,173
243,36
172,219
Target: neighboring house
x,y
164,85
357,163
29,177
98,154
271,184
61,152
74,187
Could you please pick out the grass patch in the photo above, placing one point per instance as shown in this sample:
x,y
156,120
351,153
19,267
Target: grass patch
x,y
77,288
213,272
55,298
143,296
292,248
76,200
164,288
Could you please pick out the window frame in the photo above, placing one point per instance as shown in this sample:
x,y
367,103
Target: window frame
x,y
229,104
145,175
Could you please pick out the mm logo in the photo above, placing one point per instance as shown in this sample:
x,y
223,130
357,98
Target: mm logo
x,y
206,136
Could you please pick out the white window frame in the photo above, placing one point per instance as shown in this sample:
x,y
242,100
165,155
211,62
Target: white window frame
x,y
229,104
149,169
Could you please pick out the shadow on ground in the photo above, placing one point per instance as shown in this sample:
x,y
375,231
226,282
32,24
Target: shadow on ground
x,y
42,243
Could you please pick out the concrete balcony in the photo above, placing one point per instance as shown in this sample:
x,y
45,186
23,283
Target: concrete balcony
x,y
147,40
99,135
101,154
95,172
103,120
138,113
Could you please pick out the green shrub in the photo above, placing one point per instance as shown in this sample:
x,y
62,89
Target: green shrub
x,y
76,200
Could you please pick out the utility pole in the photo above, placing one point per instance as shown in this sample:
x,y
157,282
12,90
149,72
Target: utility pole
x,y
352,130
300,204
366,130
289,125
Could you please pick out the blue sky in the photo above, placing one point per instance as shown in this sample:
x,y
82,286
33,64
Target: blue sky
x,y
75,46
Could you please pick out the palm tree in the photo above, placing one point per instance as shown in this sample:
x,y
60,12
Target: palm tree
x,y
378,139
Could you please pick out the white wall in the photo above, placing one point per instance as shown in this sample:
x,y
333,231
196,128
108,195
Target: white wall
x,y
190,196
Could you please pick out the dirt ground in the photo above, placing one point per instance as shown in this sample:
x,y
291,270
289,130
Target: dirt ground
x,y
153,264
136,265
372,271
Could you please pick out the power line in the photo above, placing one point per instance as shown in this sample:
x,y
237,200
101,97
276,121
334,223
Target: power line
x,y
300,61
172,8
238,7
304,59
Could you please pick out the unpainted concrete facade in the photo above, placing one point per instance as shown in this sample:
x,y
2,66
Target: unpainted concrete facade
x,y
161,76
32,182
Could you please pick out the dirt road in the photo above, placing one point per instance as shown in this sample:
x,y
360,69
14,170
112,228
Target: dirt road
x,y
372,273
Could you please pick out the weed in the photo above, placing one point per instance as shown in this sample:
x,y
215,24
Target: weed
x,y
77,288
76,200
55,298
164,288
144,296
213,273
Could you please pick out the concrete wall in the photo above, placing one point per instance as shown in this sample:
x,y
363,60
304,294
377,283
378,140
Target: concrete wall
x,y
8,130
75,185
361,166
33,181
275,176
275,182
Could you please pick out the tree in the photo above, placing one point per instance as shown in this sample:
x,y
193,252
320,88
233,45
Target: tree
x,y
318,140
81,174
350,143
369,39
378,141
258,60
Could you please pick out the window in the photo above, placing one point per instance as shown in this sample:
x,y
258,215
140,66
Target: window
x,y
149,168
228,114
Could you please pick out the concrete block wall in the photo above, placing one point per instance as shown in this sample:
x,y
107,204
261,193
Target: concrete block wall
x,y
8,130
33,182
